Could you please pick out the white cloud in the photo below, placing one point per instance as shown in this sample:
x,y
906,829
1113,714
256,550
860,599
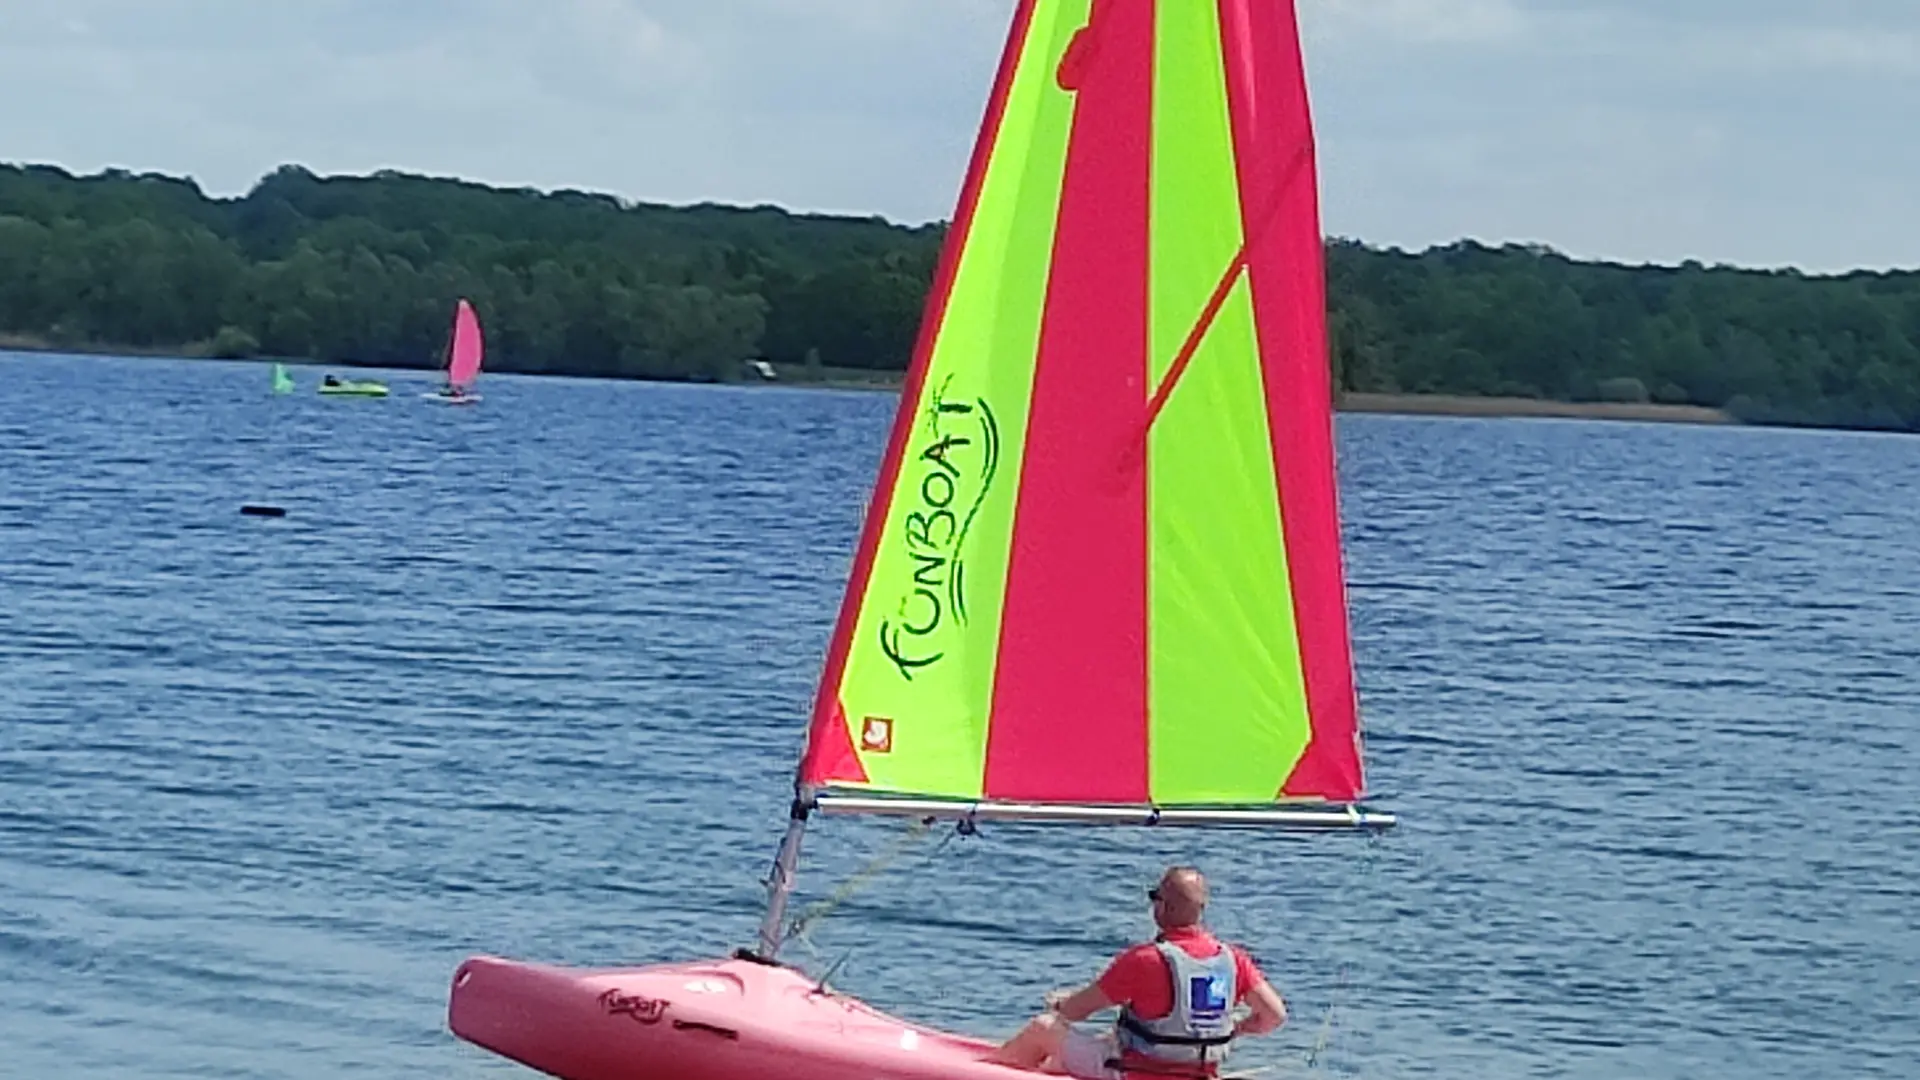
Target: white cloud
x,y
1747,130
1417,21
1824,49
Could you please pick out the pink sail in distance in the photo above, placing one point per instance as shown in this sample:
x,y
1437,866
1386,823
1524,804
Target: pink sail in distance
x,y
463,364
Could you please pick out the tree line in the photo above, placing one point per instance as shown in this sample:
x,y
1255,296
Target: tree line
x,y
366,269
1770,346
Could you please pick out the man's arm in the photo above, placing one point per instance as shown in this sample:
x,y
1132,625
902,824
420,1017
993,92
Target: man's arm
x,y
1269,1010
1077,1005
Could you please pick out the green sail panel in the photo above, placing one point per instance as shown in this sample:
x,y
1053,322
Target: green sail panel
x,y
917,661
1228,706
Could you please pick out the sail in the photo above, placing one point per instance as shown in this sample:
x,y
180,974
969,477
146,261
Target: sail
x,y
282,382
463,358
1102,560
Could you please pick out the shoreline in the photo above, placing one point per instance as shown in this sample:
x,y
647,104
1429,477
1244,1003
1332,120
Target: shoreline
x,y
1454,405
28,344
1522,408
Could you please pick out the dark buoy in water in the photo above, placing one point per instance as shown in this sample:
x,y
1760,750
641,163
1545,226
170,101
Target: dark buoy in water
x,y
254,510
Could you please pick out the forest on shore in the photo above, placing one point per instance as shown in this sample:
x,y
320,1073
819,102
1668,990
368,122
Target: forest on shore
x,y
365,270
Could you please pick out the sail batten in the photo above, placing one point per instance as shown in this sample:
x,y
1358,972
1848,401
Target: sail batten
x,y
1188,348
1102,562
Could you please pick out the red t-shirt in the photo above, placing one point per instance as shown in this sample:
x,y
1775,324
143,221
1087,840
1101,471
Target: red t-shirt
x,y
1139,977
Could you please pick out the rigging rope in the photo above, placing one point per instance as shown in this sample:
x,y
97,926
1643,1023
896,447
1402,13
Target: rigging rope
x,y
1343,987
876,866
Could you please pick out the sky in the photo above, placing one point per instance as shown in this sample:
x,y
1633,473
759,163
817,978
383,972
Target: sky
x,y
1747,132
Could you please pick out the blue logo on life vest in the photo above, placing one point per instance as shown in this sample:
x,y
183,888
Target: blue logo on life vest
x,y
1206,997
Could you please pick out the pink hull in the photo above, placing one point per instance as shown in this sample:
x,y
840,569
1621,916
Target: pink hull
x,y
717,1020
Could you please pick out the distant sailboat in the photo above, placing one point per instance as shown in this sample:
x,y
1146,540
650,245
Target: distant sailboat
x,y
333,386
282,382
464,352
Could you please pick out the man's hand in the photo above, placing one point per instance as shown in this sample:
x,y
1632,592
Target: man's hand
x,y
1074,1006
1266,1011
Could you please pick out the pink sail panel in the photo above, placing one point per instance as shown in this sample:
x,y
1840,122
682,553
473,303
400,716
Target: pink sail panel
x,y
463,366
1274,143
1072,658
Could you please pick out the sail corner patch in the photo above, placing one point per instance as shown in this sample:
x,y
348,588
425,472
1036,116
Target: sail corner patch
x,y
876,735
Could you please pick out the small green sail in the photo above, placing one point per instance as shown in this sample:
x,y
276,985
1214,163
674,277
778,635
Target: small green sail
x,y
282,382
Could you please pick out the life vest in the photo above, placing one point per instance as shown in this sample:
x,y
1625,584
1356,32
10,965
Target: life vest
x,y
1199,1027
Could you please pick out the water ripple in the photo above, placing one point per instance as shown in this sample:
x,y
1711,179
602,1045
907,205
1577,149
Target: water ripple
x,y
527,679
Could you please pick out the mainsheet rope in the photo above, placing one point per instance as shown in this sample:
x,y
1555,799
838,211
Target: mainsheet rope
x,y
1343,987
866,875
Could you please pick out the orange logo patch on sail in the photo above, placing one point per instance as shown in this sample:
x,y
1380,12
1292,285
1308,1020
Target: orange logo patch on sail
x,y
876,735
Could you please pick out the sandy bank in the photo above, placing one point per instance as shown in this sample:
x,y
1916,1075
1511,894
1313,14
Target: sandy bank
x,y
1451,405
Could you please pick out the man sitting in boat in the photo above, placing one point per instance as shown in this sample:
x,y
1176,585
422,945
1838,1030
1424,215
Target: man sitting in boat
x,y
330,381
1176,995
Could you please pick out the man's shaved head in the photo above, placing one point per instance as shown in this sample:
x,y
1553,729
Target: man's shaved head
x,y
1182,898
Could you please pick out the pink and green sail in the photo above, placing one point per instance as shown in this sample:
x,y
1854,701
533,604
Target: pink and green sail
x,y
1102,562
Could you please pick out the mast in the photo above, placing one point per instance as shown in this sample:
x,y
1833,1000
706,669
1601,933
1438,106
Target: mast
x,y
780,882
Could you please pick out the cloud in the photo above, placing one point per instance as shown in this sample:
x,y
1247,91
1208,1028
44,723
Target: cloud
x,y
1751,131
1415,21
1817,49
1757,131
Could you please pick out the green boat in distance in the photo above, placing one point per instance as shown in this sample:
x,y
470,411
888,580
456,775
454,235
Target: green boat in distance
x,y
282,382
332,386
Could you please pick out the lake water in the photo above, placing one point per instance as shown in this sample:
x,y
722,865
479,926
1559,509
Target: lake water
x,y
529,679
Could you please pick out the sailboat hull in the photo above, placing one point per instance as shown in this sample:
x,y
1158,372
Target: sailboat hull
x,y
719,1020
